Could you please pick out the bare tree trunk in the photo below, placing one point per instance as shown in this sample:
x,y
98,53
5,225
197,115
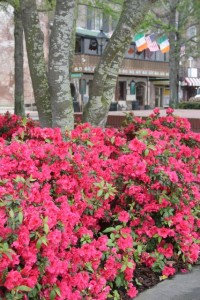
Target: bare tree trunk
x,y
174,54
34,46
105,76
18,58
59,55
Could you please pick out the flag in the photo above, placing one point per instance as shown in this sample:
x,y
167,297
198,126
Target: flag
x,y
140,42
163,44
151,42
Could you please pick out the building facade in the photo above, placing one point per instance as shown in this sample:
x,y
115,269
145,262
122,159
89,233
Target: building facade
x,y
143,79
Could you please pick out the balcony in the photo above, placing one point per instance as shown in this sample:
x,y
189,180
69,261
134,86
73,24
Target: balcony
x,y
84,63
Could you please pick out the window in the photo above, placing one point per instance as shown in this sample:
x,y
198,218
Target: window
x,y
150,55
192,32
132,87
114,23
160,56
89,46
140,93
94,18
78,46
105,25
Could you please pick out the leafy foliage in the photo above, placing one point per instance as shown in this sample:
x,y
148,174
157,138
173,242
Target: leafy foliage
x,y
79,214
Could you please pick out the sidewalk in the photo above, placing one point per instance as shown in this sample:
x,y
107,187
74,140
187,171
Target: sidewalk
x,y
184,113
181,287
32,113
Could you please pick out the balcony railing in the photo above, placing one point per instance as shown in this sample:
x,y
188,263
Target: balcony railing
x,y
84,63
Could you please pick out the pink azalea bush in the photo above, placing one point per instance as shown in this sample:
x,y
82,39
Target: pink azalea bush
x,y
11,123
78,214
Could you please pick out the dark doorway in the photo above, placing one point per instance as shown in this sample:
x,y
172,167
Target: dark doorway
x,y
122,90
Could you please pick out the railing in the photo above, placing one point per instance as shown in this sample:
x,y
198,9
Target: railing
x,y
87,63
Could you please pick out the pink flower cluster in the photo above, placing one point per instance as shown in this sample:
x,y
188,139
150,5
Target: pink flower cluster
x,y
79,213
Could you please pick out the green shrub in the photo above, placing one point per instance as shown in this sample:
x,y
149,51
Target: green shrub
x,y
189,105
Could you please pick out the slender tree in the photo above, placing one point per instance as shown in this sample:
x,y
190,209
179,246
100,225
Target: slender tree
x,y
18,55
19,108
173,18
34,46
59,58
106,72
51,87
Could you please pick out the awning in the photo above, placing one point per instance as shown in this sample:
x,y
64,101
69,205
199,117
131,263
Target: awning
x,y
192,81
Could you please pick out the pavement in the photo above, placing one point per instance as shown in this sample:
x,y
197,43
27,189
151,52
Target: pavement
x,y
184,113
184,286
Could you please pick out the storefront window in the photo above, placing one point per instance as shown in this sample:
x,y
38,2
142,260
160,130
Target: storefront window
x,y
90,46
82,86
78,46
132,87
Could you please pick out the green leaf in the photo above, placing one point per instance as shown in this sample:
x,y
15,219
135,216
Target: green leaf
x,y
32,179
152,147
89,267
118,227
139,249
11,213
146,152
19,179
109,229
112,139
130,265
8,255
123,268
107,195
20,217
138,282
89,143
110,243
118,281
48,141
57,290
39,244
44,240
24,288
143,133
52,295
46,228
100,193
112,236
24,121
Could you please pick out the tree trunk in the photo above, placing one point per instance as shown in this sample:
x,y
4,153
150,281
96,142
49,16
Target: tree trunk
x,y
174,54
105,75
34,45
18,58
59,55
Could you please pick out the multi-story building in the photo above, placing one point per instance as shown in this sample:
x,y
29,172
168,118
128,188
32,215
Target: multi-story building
x,y
144,76
190,66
